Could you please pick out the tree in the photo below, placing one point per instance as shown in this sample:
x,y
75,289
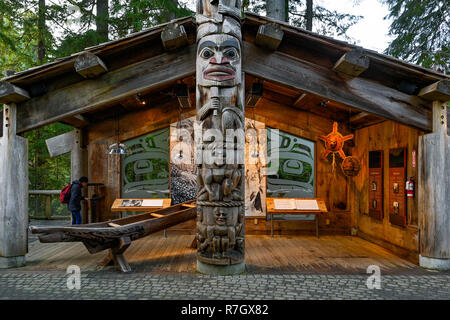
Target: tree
x,y
41,32
102,18
277,9
422,32
303,13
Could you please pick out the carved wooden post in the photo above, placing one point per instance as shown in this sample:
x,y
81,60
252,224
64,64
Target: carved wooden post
x,y
220,122
13,192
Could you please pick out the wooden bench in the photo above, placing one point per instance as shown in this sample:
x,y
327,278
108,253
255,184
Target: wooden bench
x,y
272,210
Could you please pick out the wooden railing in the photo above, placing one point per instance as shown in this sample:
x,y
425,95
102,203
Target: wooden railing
x,y
47,194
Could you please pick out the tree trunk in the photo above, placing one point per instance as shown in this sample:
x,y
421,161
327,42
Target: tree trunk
x,y
102,18
134,22
277,9
41,32
309,14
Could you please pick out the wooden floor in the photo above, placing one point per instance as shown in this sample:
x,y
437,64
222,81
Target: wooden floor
x,y
281,254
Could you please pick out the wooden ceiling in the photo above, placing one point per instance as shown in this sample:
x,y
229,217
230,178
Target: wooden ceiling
x,y
313,104
272,92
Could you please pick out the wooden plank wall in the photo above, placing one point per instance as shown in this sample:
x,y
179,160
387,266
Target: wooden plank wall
x,y
107,169
384,136
334,188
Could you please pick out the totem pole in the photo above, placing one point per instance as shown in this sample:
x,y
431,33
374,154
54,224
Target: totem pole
x,y
220,144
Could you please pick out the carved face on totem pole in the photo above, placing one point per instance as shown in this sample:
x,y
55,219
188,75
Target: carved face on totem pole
x,y
221,216
219,61
219,93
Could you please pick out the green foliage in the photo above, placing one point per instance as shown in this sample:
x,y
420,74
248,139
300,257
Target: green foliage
x,y
422,32
76,43
70,28
131,16
46,173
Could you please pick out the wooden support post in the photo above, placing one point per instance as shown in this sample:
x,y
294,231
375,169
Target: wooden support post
x,y
13,192
115,256
433,192
89,66
78,158
48,207
77,169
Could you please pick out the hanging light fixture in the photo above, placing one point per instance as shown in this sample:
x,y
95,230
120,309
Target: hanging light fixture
x,y
255,153
180,153
182,93
254,95
140,100
118,148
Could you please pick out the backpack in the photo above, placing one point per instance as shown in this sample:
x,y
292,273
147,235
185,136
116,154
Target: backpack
x,y
64,195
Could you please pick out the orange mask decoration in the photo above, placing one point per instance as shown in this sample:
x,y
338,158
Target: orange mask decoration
x,y
334,142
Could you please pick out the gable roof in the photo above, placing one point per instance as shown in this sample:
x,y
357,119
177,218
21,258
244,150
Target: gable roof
x,y
311,55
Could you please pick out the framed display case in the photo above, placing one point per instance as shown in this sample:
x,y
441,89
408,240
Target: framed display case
x,y
376,184
397,178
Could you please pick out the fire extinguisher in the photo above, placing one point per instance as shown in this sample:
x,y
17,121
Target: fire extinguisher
x,y
410,188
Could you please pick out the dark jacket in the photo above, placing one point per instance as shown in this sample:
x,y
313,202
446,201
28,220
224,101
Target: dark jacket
x,y
75,196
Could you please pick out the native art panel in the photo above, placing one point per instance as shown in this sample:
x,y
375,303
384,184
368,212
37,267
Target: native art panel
x,y
145,172
183,171
220,112
295,175
255,157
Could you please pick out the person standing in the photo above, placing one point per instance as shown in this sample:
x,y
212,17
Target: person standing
x,y
76,196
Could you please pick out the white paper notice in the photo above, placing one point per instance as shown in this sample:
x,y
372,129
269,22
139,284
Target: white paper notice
x,y
284,204
306,204
152,203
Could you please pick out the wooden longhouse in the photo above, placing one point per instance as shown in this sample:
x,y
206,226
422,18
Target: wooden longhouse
x,y
140,90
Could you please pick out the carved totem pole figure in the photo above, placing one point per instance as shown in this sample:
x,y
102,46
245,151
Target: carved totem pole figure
x,y
220,148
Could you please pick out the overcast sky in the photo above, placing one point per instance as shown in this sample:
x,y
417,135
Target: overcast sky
x,y
371,30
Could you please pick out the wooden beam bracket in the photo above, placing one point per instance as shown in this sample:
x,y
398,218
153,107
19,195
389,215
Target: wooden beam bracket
x,y
174,36
439,91
10,93
352,64
269,36
360,93
89,65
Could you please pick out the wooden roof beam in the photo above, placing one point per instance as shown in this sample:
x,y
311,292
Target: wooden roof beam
x,y
360,93
269,36
299,99
77,121
89,65
439,91
87,95
359,116
352,64
174,36
10,93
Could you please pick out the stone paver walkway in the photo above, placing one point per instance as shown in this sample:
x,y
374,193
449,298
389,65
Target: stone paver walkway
x,y
113,285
